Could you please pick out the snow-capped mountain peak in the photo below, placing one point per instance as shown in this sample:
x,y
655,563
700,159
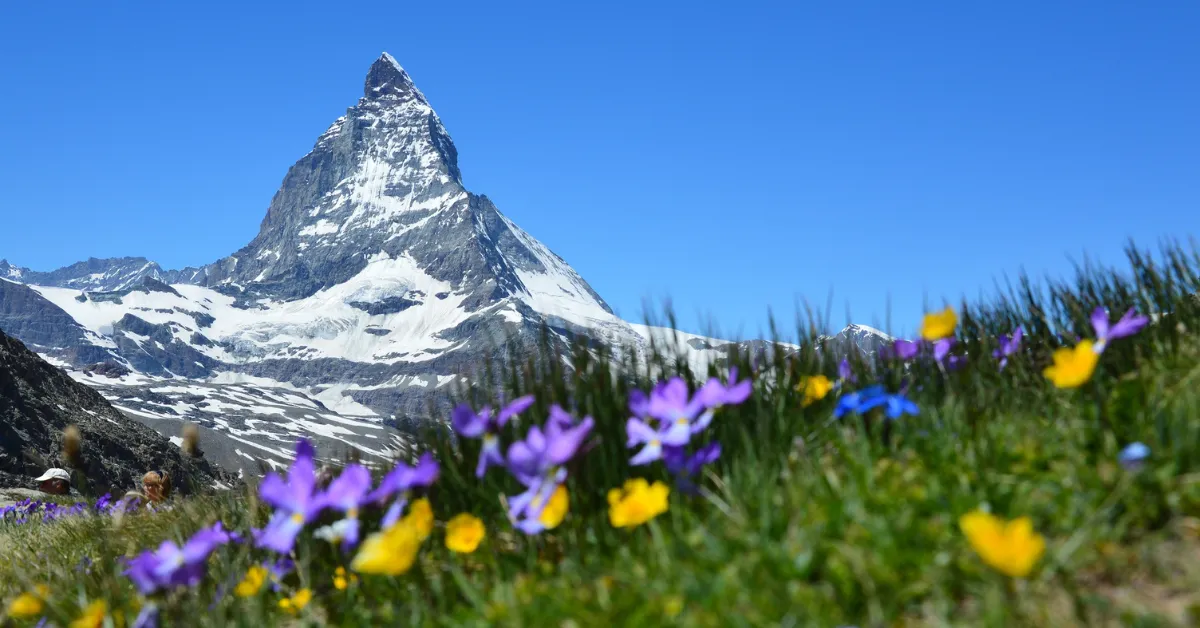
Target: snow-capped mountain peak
x,y
376,280
387,80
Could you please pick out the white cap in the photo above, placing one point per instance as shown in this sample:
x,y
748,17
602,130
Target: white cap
x,y
55,474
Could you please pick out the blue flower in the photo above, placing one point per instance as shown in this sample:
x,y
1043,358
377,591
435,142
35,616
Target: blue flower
x,y
850,402
1133,456
895,405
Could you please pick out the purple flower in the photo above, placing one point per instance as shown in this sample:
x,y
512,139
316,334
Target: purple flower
x,y
345,494
1129,325
472,425
680,464
294,501
845,373
641,433
540,453
537,462
639,404
171,565
941,354
278,570
401,480
147,618
1008,346
906,349
680,415
713,394
525,510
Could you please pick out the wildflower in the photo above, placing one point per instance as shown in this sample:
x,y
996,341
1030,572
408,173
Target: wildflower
x,y
540,508
346,494
147,617
472,425
639,432
850,402
296,602
845,373
1008,346
73,446
938,325
93,616
714,395
191,440
293,501
905,349
537,462
1073,367
30,603
1133,456
942,350
540,455
556,508
895,405
256,576
401,480
1010,547
342,579
389,552
680,415
814,389
277,571
682,465
171,565
464,533
636,503
421,516
1129,325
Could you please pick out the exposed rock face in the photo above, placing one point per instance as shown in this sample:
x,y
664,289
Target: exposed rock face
x,y
375,281
38,401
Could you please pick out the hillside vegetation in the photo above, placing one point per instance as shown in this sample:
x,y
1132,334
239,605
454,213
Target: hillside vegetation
x,y
974,488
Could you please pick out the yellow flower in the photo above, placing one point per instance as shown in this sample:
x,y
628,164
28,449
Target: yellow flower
x,y
256,576
421,516
463,533
636,503
389,552
673,606
814,388
29,604
297,602
1010,547
556,508
93,616
1073,367
938,325
341,579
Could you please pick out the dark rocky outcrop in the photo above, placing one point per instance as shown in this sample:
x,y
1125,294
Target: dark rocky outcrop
x,y
38,401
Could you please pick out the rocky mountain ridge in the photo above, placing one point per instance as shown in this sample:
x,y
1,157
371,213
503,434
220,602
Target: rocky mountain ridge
x,y
376,280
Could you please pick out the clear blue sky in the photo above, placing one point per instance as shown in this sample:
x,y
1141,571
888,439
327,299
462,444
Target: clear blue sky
x,y
734,157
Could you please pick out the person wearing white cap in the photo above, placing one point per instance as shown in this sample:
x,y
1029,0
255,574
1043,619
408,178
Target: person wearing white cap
x,y
55,482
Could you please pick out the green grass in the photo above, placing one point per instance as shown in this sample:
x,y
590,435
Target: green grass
x,y
804,521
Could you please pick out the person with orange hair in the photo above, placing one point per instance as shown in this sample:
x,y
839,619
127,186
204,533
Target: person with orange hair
x,y
156,486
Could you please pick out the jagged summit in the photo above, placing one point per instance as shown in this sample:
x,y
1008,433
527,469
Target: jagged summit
x,y
387,79
375,281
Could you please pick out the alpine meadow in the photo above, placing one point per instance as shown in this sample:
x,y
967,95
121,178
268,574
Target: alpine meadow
x,y
394,406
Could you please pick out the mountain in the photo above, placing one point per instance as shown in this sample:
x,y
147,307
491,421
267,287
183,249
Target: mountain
x,y
375,281
38,401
